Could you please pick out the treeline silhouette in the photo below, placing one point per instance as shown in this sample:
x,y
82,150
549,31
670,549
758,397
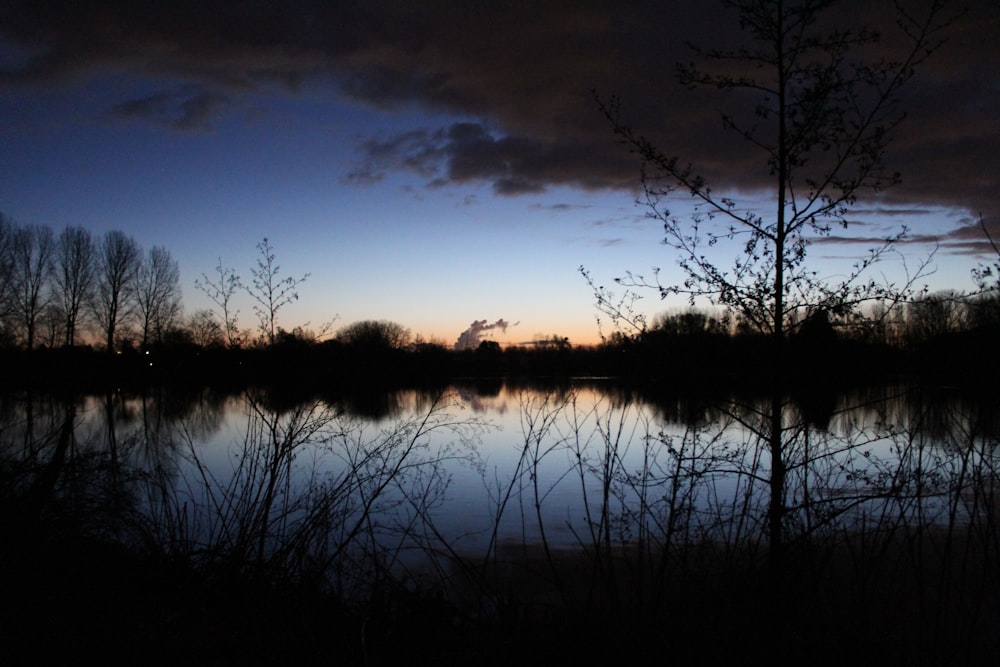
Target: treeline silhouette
x,y
942,336
72,288
68,300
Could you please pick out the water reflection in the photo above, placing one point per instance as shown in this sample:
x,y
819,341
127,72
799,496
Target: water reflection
x,y
647,488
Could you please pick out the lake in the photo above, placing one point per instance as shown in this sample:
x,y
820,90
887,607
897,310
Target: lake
x,y
588,499
464,469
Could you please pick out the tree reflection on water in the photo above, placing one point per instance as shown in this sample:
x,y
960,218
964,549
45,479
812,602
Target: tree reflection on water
x,y
588,500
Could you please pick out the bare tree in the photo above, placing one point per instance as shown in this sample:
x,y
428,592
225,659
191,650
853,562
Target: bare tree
x,y
7,228
118,262
270,292
75,273
158,294
221,291
821,121
205,331
33,248
935,315
821,114
52,323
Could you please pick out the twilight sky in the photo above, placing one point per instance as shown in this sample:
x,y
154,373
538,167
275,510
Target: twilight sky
x,y
438,163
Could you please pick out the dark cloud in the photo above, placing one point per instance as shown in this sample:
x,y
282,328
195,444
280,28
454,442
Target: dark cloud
x,y
967,237
560,208
884,211
364,175
471,152
970,237
417,151
523,72
189,109
874,241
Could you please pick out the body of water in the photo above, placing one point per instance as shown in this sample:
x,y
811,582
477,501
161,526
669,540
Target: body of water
x,y
466,468
583,500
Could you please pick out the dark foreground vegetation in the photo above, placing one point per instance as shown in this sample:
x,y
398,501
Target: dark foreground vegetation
x,y
113,552
70,597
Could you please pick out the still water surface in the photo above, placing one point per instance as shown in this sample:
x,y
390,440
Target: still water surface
x,y
470,468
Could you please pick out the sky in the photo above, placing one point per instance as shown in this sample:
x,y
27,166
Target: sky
x,y
442,163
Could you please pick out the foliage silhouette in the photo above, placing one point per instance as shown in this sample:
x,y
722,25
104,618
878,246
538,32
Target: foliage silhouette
x,y
374,335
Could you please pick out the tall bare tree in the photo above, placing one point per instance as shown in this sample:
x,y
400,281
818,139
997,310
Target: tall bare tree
x,y
270,292
821,114
33,248
7,229
820,111
75,273
158,294
221,291
118,260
